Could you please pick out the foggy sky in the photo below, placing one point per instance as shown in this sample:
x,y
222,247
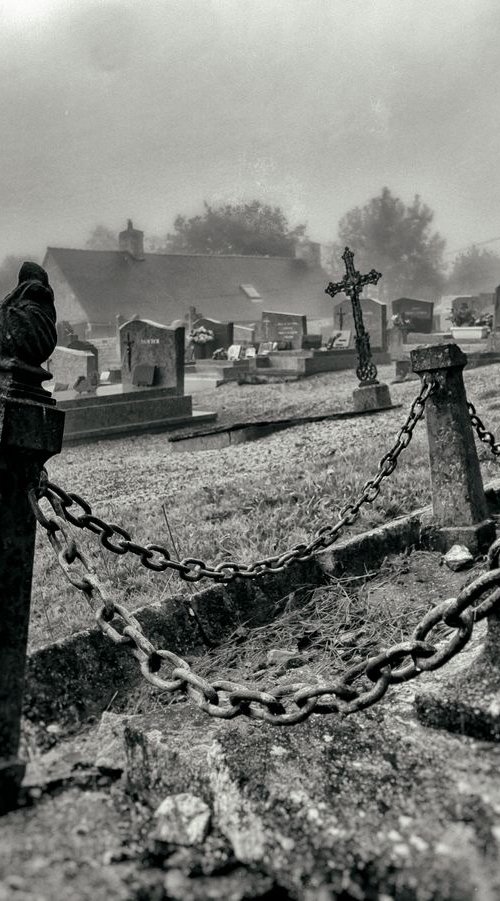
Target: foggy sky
x,y
143,109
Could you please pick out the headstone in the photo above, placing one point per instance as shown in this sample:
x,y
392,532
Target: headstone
x,y
243,334
374,318
479,305
152,355
223,331
68,366
284,328
234,352
418,312
76,343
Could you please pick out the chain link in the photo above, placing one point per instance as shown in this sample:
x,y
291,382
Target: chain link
x,y
157,558
483,434
361,685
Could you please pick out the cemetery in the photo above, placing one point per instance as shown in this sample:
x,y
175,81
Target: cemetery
x,y
318,717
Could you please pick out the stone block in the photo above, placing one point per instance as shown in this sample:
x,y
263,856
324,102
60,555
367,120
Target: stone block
x,y
119,412
145,343
182,819
68,365
111,755
371,397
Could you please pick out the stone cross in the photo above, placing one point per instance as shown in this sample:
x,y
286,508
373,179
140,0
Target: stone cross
x,y
352,284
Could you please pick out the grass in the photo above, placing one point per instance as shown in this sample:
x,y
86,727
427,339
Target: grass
x,y
243,502
327,628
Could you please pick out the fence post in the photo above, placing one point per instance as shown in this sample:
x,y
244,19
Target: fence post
x,y
31,430
460,512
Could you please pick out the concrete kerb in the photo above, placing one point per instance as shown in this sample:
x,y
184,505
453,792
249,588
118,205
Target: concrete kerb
x,y
77,677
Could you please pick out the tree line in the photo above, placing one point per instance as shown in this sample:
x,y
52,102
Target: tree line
x,y
386,234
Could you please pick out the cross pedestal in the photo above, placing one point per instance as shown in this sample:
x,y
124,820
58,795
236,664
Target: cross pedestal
x,y
371,394
371,397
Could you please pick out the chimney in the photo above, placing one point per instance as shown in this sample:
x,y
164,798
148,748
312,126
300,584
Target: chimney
x,y
131,241
307,251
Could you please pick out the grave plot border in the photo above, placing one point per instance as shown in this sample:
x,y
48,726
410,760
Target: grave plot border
x,y
77,676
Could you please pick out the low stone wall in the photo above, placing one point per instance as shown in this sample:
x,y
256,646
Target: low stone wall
x,y
77,676
311,362
223,370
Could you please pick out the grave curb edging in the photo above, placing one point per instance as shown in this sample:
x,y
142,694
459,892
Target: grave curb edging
x,y
77,676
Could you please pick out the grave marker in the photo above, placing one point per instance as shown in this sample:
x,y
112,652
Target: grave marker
x,y
284,327
152,356
67,366
419,313
222,331
370,394
374,320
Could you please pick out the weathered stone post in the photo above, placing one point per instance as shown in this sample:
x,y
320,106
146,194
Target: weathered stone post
x,y
31,430
460,514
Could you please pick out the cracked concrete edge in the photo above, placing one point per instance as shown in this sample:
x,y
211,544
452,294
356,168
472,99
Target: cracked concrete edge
x,y
77,676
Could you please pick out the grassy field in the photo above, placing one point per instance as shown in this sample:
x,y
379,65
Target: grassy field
x,y
242,502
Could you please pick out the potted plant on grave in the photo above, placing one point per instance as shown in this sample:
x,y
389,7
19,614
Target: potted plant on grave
x,y
468,326
198,339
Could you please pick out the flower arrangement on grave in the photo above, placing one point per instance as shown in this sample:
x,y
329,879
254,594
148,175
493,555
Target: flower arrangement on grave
x,y
400,321
465,316
200,335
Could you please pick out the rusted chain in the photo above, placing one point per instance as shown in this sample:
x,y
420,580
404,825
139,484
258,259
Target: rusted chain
x,y
361,685
156,557
483,434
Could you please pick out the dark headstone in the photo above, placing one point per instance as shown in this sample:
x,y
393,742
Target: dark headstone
x,y
284,327
150,344
222,331
419,313
311,342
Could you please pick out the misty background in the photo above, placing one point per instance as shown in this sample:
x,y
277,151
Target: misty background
x,y
146,109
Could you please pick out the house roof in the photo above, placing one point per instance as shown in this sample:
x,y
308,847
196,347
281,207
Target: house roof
x,y
164,286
